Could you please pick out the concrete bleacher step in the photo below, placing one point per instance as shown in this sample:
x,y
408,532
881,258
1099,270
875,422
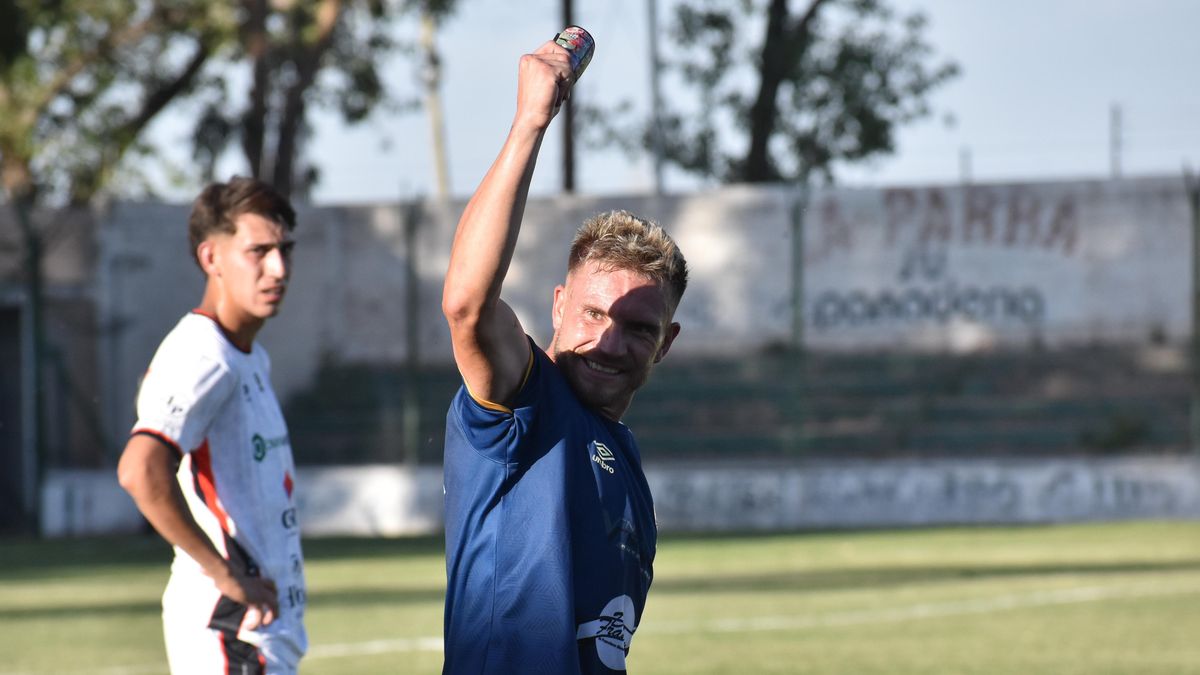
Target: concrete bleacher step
x,y
778,405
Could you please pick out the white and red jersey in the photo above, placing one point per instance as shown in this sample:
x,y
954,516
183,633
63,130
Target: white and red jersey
x,y
214,403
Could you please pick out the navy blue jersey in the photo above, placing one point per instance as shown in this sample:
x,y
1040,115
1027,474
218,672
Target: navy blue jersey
x,y
550,533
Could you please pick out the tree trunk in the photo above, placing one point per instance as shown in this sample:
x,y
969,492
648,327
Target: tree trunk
x,y
783,44
307,62
254,121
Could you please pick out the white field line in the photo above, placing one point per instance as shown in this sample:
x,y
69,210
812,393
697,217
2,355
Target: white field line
x,y
417,644
986,605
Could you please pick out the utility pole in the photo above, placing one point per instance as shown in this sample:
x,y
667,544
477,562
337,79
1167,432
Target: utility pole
x,y
568,112
656,140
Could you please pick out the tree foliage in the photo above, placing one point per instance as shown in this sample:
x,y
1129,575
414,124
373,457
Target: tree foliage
x,y
325,52
81,79
285,46
831,81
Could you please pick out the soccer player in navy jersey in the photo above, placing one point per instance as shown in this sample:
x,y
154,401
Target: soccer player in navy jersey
x,y
550,532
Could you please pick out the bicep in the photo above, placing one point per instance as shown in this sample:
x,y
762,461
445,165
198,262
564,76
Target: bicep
x,y
147,466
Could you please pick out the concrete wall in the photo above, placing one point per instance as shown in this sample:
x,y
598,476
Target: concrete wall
x,y
972,267
733,496
937,268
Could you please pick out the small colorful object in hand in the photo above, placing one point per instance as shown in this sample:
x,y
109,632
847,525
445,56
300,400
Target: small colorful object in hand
x,y
581,45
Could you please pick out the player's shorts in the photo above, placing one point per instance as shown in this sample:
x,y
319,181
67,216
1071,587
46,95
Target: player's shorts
x,y
195,649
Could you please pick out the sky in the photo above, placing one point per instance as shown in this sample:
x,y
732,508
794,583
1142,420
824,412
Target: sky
x,y
1039,80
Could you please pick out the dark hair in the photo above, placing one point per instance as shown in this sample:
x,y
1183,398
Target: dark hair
x,y
217,208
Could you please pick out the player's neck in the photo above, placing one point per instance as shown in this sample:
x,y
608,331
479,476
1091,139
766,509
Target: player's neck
x,y
239,326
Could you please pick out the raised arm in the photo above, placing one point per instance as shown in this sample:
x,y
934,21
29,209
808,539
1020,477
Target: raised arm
x,y
490,347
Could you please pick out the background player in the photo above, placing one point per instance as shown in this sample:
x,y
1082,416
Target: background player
x,y
209,463
550,533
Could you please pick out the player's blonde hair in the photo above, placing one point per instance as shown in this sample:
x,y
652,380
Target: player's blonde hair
x,y
621,240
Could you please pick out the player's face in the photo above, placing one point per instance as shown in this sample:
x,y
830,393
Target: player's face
x,y
610,328
252,267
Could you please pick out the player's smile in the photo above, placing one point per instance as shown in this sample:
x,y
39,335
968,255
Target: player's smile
x,y
606,370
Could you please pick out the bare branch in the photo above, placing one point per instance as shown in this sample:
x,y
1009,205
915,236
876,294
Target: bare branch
x,y
110,43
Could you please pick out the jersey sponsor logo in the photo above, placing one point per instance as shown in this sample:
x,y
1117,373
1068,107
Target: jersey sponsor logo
x,y
613,631
263,445
602,455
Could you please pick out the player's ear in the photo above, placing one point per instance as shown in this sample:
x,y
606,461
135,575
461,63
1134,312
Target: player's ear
x,y
560,303
672,333
206,253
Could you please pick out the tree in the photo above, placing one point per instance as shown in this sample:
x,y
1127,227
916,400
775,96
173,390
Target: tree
x,y
299,53
81,79
833,80
79,82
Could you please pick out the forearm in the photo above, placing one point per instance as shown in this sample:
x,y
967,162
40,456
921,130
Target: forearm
x,y
147,474
487,232
169,516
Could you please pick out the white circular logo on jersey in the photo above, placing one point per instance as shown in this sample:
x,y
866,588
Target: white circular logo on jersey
x,y
613,631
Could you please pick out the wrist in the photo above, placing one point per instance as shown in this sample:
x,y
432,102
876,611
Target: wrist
x,y
528,126
219,570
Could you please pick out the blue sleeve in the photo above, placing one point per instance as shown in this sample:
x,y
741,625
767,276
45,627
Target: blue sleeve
x,y
496,432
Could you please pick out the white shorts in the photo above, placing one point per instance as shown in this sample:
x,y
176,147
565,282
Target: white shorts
x,y
195,649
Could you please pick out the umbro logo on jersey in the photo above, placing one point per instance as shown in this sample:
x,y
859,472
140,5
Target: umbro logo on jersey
x,y
602,455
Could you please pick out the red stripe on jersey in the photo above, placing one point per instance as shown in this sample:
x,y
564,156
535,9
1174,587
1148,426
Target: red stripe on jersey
x,y
202,465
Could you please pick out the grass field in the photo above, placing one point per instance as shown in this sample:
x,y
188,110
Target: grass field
x,y
1094,599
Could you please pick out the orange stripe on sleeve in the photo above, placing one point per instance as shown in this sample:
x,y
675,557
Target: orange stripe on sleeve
x,y
490,405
